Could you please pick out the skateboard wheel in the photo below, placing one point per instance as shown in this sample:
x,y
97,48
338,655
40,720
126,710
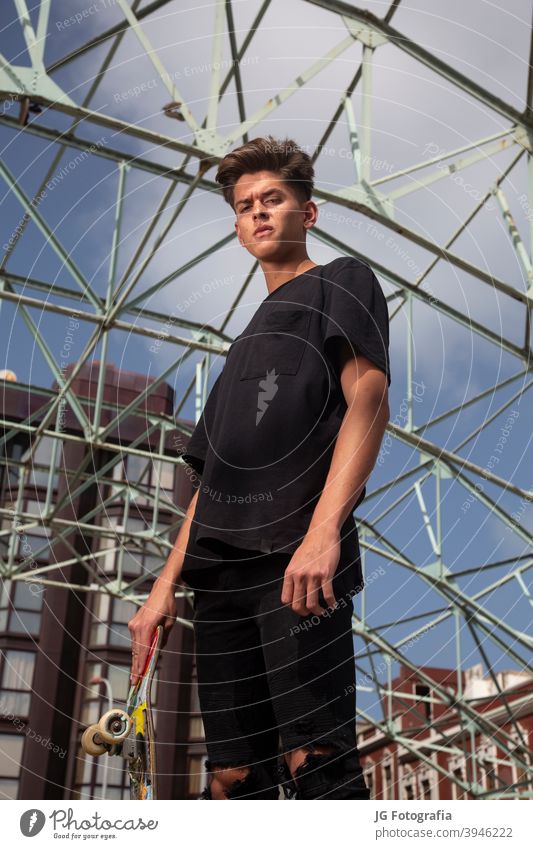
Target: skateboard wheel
x,y
91,741
114,726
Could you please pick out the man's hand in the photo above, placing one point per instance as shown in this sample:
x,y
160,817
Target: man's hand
x,y
158,609
312,568
315,561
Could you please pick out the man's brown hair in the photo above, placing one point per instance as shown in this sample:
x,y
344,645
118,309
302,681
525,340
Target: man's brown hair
x,y
284,157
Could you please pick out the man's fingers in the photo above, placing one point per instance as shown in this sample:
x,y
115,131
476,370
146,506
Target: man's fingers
x,y
301,591
139,652
313,586
167,628
138,660
299,594
287,590
329,596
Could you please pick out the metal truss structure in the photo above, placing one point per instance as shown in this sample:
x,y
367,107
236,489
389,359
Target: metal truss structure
x,y
43,108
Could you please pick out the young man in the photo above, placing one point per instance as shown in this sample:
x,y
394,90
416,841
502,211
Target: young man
x,y
285,445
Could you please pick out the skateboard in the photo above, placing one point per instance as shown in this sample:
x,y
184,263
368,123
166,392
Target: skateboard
x,y
130,732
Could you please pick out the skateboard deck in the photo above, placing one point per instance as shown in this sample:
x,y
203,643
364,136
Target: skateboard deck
x,y
130,732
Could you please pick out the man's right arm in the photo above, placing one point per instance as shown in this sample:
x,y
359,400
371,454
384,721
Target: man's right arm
x,y
160,606
171,572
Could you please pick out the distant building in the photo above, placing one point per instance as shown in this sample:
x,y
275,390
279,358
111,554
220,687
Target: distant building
x,y
481,768
53,640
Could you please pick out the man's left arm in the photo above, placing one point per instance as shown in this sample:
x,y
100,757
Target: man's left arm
x,y
314,563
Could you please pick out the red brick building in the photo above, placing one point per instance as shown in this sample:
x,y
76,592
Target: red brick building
x,y
430,754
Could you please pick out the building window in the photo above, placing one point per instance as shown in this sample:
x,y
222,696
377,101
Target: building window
x,y
457,773
486,766
9,474
388,780
17,669
369,770
196,728
40,468
518,775
427,782
423,707
145,474
34,542
20,607
110,621
458,792
522,774
111,779
121,613
119,679
134,556
90,712
425,786
10,759
408,782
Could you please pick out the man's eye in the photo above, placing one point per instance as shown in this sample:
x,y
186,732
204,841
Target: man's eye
x,y
246,206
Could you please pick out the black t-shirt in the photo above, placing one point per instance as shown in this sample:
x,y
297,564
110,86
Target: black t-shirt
x,y
264,442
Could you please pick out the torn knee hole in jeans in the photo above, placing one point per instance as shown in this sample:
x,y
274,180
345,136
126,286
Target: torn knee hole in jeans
x,y
338,773
210,767
256,783
341,742
333,761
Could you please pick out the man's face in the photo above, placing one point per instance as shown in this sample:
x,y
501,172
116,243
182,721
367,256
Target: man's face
x,y
263,200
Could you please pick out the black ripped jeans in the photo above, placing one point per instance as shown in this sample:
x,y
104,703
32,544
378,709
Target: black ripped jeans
x,y
267,675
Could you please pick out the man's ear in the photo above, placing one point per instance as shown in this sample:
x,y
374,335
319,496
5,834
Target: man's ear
x,y
311,214
235,224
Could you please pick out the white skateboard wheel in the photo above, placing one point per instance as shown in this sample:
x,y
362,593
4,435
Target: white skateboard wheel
x,y
91,741
114,726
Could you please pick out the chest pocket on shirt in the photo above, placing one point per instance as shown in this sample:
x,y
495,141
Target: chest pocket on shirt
x,y
278,343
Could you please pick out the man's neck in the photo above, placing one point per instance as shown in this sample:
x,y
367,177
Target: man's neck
x,y
276,274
